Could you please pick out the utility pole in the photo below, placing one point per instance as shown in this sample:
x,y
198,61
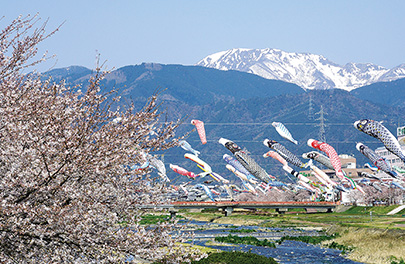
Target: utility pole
x,y
321,125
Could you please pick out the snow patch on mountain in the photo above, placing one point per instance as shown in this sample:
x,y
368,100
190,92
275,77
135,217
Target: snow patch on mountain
x,y
307,70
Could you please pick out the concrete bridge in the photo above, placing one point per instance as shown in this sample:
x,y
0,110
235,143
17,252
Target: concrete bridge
x,y
227,207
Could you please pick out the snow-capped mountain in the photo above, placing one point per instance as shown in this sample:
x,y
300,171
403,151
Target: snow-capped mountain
x,y
307,70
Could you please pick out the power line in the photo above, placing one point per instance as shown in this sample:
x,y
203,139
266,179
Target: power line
x,y
285,123
269,124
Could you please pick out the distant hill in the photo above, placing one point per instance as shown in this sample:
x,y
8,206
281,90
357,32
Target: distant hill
x,y
241,107
72,74
192,84
388,93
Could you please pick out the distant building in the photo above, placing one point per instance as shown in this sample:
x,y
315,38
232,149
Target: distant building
x,y
348,165
348,161
401,135
391,158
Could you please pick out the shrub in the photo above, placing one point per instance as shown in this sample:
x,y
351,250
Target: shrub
x,y
248,240
235,257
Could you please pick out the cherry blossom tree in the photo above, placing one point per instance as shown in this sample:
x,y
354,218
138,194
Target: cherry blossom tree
x,y
271,195
388,195
66,188
302,196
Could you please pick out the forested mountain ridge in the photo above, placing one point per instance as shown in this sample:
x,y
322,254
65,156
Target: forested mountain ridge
x,y
241,107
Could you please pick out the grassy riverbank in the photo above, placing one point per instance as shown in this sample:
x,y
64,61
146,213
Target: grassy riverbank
x,y
371,245
375,237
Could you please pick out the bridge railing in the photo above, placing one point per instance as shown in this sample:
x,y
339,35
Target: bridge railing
x,y
281,207
254,203
228,207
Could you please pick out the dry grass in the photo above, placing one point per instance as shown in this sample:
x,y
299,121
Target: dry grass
x,y
199,248
207,217
237,221
372,245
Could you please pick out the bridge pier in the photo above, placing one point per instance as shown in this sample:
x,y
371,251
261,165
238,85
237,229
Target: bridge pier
x,y
281,210
319,210
228,210
173,213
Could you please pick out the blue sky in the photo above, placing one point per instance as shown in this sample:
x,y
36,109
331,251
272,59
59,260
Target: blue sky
x,y
185,31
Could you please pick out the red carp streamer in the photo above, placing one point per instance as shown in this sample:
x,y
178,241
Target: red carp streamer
x,y
200,129
183,171
333,156
276,156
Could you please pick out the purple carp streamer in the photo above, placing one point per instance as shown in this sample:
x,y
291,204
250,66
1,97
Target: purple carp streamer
x,y
238,166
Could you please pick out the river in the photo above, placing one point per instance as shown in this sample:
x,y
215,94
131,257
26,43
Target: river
x,y
286,252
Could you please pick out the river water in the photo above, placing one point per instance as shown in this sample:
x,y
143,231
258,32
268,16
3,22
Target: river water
x,y
286,252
